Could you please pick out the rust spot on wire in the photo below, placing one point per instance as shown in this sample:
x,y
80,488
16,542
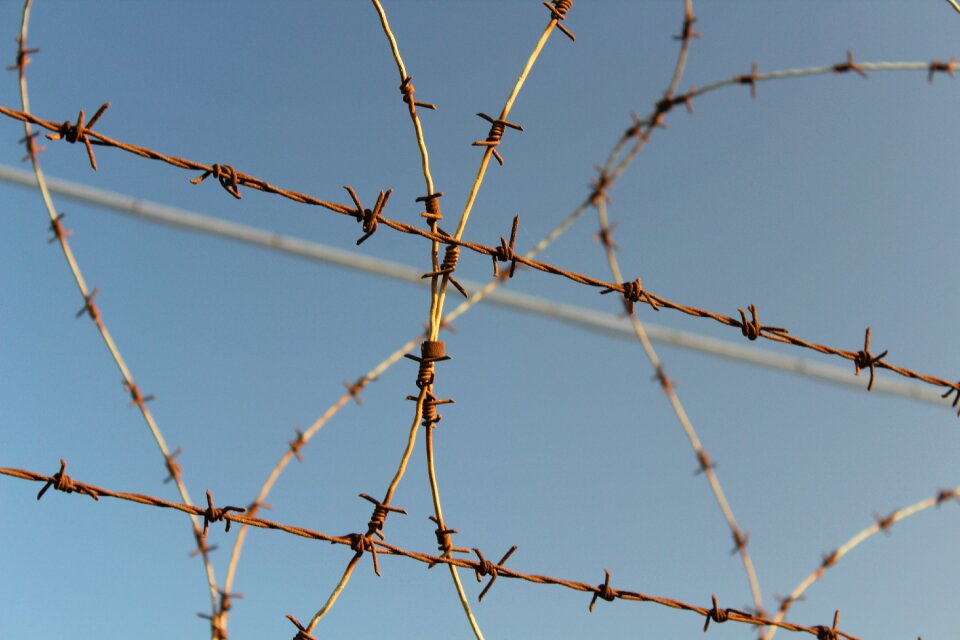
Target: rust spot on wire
x,y
849,65
431,352
666,383
753,329
740,541
603,591
946,494
62,482
369,218
705,464
600,185
943,67
885,522
78,132
497,128
486,568
226,175
355,388
505,252
558,11
866,360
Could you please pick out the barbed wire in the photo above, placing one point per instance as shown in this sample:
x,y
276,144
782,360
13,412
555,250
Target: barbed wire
x,y
212,514
231,180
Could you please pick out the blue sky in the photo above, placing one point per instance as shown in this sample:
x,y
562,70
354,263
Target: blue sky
x,y
829,202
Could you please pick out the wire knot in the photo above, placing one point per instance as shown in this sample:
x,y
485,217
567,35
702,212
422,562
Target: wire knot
x,y
600,185
369,218
407,89
431,202
78,132
375,527
297,444
716,614
497,128
212,514
750,79
173,467
444,543
604,591
137,399
753,329
505,252
486,568
943,67
62,482
829,633
632,293
849,65
59,233
558,11
89,306
863,359
429,414
301,630
431,352
227,176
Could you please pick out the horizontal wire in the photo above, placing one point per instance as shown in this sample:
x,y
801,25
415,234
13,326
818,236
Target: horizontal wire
x,y
603,323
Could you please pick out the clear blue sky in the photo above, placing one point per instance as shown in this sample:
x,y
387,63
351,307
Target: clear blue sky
x,y
830,202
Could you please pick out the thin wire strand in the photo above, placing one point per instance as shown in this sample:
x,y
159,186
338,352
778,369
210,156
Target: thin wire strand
x,y
881,524
138,400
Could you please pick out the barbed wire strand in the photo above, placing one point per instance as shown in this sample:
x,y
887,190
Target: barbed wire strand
x,y
882,523
230,514
955,5
60,235
663,107
599,198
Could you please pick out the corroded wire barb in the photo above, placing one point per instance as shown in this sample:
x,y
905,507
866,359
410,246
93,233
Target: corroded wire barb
x,y
212,514
604,591
486,568
497,128
863,359
78,132
718,615
297,443
173,467
375,527
632,293
505,252
750,79
431,202
444,541
943,67
302,633
558,11
369,218
226,175
407,89
752,329
849,65
384,548
451,256
56,228
687,33
23,55
355,388
62,482
137,399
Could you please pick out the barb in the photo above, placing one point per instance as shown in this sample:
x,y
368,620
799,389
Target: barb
x,y
384,548
883,524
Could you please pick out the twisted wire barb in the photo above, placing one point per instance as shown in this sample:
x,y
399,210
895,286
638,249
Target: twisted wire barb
x,y
72,134
604,591
882,523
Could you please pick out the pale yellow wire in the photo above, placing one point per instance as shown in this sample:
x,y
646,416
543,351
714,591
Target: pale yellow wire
x,y
104,333
953,3
862,536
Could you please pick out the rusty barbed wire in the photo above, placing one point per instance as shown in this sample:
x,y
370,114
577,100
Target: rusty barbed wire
x,y
481,566
649,298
